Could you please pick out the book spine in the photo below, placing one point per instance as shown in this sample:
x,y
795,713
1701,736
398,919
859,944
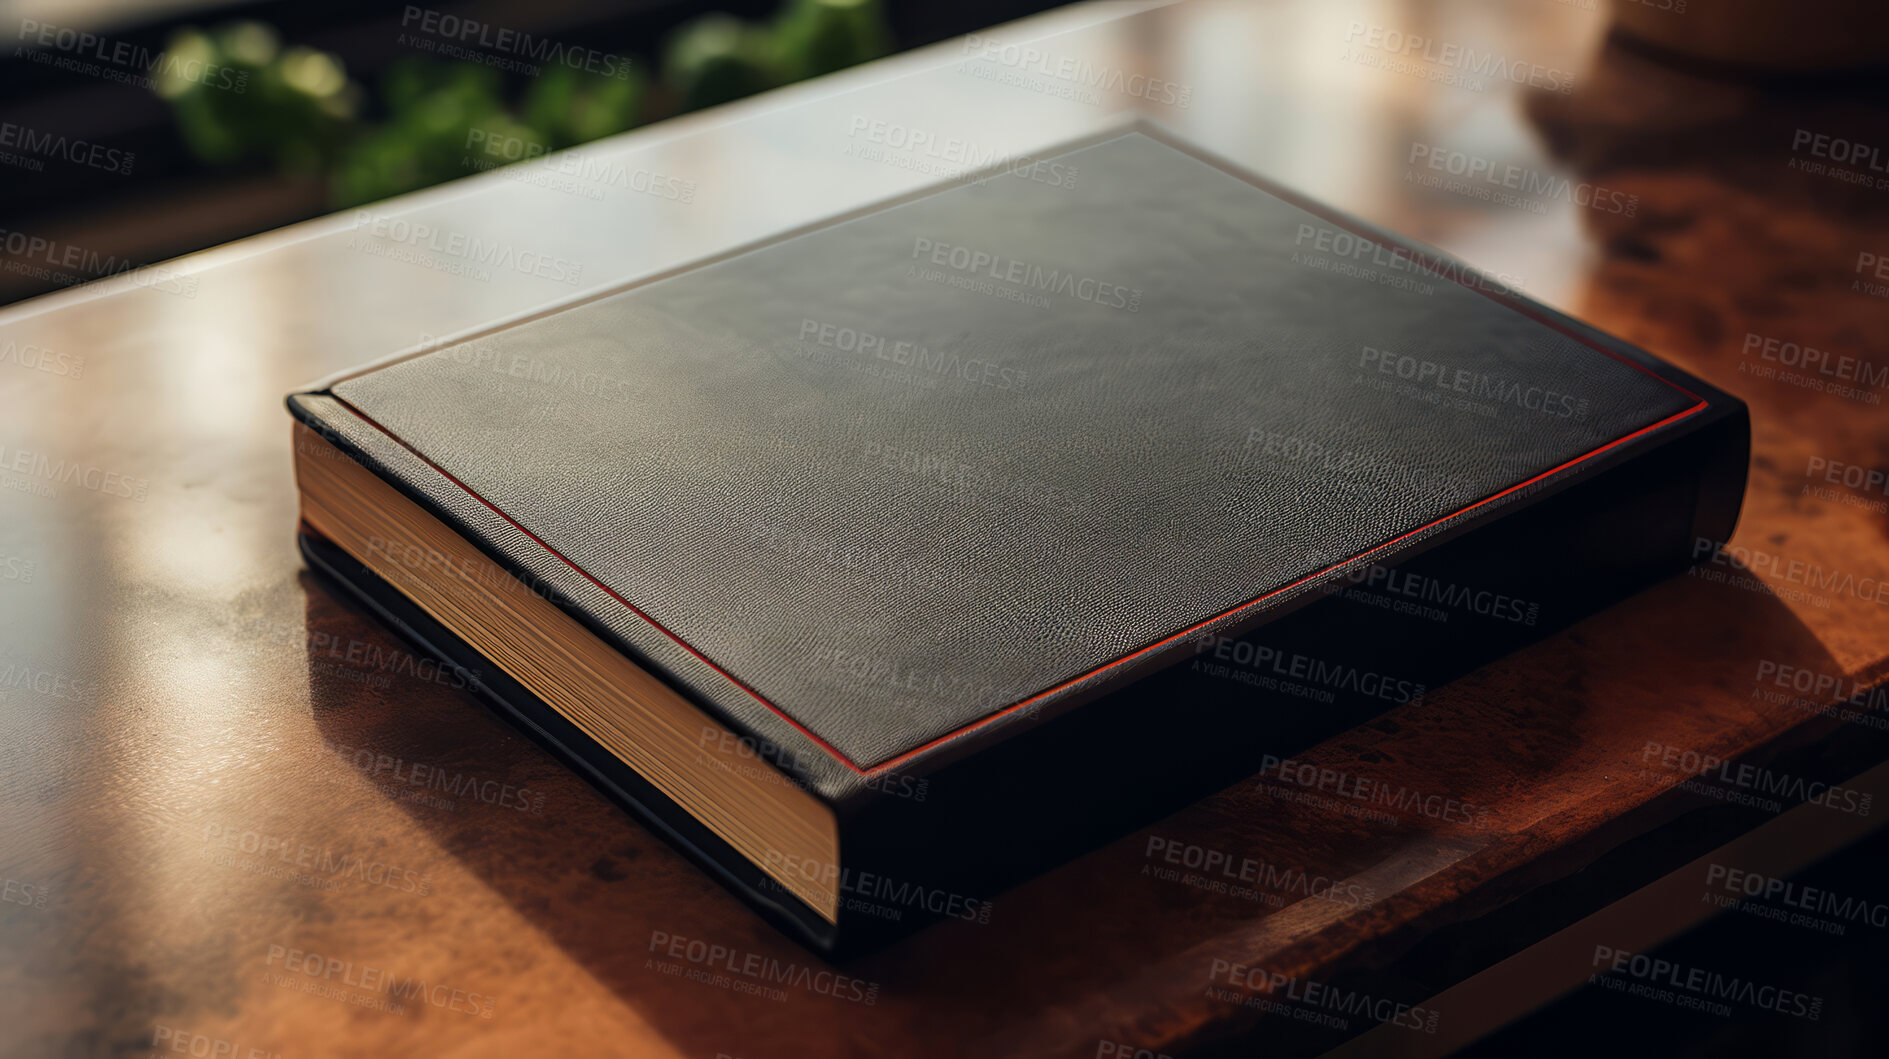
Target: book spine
x,y
770,740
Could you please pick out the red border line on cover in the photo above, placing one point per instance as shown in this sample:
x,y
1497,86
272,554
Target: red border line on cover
x,y
1006,711
653,623
1283,588
1429,261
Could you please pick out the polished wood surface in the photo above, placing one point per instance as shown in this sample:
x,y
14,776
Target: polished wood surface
x,y
234,809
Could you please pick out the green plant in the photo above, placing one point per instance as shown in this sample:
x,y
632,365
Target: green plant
x,y
570,107
444,118
717,58
237,93
814,37
432,109
297,106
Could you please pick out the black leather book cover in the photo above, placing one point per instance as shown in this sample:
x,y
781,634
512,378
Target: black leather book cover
x,y
919,500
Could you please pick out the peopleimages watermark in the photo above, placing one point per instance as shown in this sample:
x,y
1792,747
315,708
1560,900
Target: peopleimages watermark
x,y
331,977
17,568
751,973
486,356
1791,571
1864,487
361,661
1810,368
904,353
1023,276
455,253
25,894
1315,780
870,893
1672,7
82,52
1073,77
1291,665
1248,878
1508,184
175,1041
1824,694
1294,448
976,481
1695,988
1472,385
766,755
1312,1001
29,357
1845,160
307,864
433,785
921,151
68,265
924,688
1405,592
578,171
1447,62
841,548
26,471
1346,253
1824,687
1874,267
1107,1049
18,676
358,654
1748,784
456,37
487,574
28,148
1791,903
1865,479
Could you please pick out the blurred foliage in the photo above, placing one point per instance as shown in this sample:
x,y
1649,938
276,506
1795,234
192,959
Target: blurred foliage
x,y
717,58
294,106
439,114
298,108
815,37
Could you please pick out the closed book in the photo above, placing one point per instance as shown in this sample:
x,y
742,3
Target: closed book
x,y
889,561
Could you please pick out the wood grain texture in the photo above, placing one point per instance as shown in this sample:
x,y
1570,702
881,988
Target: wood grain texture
x,y
219,775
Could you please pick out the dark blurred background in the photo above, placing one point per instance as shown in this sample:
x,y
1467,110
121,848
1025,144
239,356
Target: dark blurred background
x,y
144,129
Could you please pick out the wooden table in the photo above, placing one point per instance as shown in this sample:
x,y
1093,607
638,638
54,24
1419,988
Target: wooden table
x,y
236,815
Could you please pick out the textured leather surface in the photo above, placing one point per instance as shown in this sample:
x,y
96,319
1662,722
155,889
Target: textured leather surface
x,y
888,545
